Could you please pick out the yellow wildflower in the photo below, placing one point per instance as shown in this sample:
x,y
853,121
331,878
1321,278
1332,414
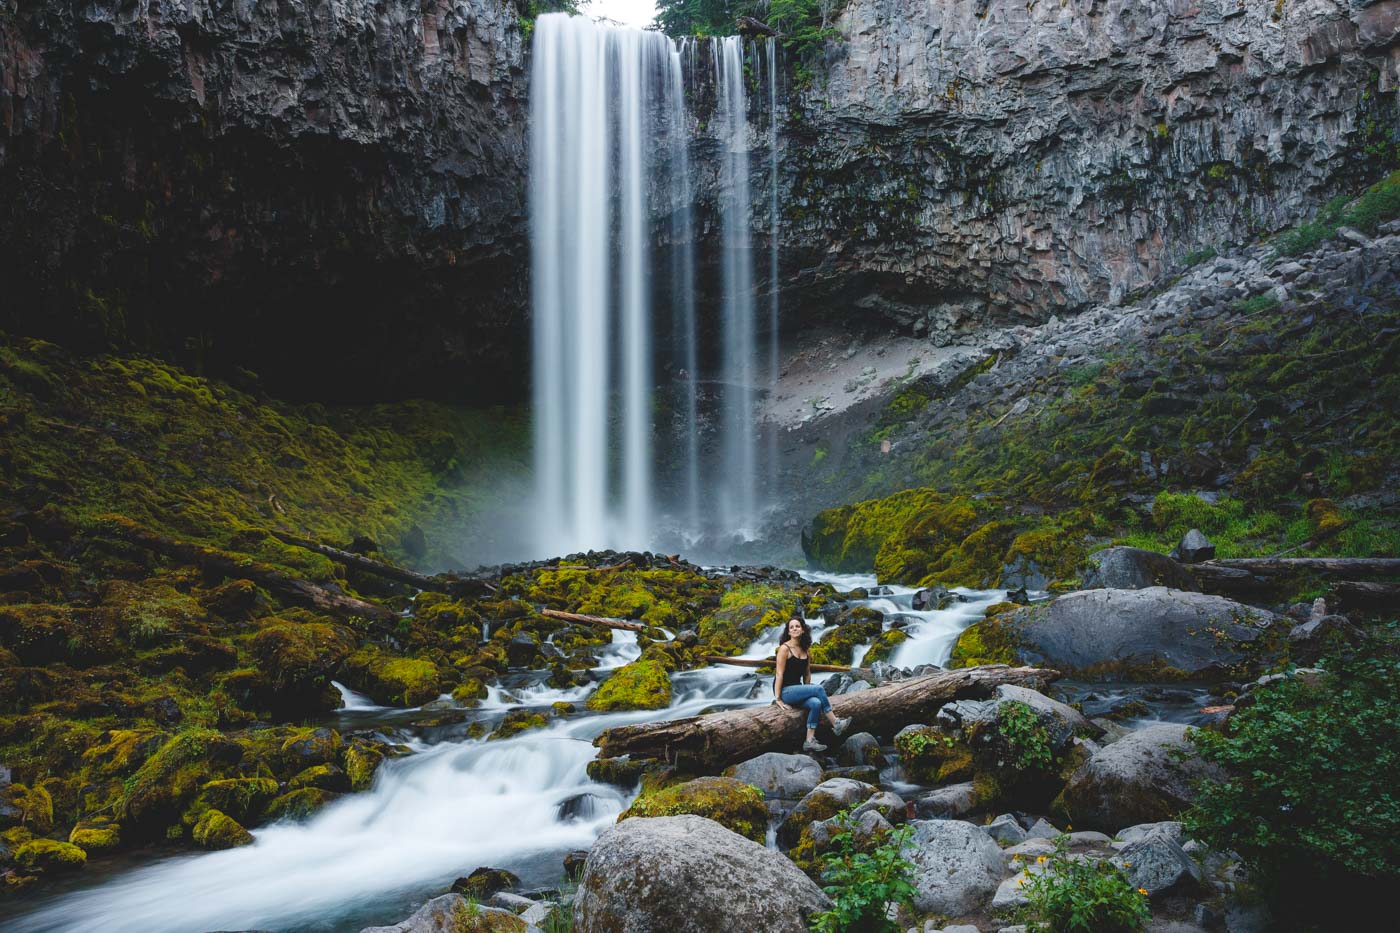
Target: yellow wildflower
x,y
1040,859
1142,891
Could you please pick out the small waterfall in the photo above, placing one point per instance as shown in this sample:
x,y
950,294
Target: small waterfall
x,y
738,497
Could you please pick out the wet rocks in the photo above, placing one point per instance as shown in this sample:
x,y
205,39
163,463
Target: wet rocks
x,y
484,882
1158,865
1147,776
689,875
825,801
728,801
452,913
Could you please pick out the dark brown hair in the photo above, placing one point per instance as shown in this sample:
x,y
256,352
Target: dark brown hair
x,y
804,640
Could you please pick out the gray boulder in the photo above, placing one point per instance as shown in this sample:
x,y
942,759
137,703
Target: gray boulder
x,y
444,915
687,874
861,749
1134,568
957,867
1169,828
1005,830
891,806
826,800
947,803
1137,633
1157,865
1146,777
1195,548
779,776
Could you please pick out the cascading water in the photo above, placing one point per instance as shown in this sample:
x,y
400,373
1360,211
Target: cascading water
x,y
611,168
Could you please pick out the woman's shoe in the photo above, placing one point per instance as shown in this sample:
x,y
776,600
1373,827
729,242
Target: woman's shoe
x,y
813,746
841,726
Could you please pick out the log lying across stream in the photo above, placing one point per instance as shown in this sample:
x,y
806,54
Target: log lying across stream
x,y
712,742
770,662
600,621
1259,578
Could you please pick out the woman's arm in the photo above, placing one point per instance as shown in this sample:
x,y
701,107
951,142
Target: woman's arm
x,y
778,677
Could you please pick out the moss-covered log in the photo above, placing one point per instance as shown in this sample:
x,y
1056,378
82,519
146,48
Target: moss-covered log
x,y
709,743
364,564
226,564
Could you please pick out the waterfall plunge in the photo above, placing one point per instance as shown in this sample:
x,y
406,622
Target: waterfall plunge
x,y
610,162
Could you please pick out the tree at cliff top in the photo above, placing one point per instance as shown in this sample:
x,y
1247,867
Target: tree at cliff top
x,y
800,23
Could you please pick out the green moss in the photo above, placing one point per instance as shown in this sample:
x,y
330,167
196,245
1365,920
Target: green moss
x,y
729,802
161,787
361,762
991,641
49,855
930,757
299,804
639,685
884,645
95,835
35,806
241,798
217,831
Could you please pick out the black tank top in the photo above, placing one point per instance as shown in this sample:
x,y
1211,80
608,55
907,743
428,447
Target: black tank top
x,y
794,672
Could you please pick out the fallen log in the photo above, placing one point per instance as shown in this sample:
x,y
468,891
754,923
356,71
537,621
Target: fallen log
x,y
365,564
1340,566
748,26
1355,595
769,662
215,562
706,744
599,621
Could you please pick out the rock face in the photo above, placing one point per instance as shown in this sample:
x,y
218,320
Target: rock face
x,y
1134,568
1145,777
689,875
974,160
349,177
1134,632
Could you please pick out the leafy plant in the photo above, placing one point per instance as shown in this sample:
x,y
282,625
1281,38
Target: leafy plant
x,y
862,884
1082,896
1026,736
914,744
1311,793
1198,256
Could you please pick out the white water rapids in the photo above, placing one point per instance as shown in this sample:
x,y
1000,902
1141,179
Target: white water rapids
x,y
431,816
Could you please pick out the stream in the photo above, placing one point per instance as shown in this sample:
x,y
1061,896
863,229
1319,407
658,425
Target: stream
x,y
454,804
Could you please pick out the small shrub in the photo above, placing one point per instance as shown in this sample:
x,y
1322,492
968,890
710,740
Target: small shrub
x,y
1082,896
1310,802
1256,305
1026,736
1198,256
861,884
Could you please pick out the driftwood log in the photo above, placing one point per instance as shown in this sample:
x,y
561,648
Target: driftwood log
x,y
712,742
770,662
600,621
1325,566
1260,578
215,562
748,26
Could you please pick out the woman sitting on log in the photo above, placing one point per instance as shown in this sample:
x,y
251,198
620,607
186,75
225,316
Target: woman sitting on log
x,y
793,687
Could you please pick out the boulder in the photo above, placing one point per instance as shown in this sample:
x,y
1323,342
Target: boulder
x,y
1195,548
484,882
825,801
1005,830
452,913
891,806
951,802
861,749
686,874
1136,634
1134,568
779,776
1169,828
1157,865
1145,777
957,867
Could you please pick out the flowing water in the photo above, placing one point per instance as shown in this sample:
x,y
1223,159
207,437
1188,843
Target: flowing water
x,y
434,815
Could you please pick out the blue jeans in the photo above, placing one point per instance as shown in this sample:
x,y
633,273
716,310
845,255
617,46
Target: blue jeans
x,y
812,696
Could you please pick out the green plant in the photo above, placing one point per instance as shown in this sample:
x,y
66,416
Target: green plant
x,y
914,744
862,884
1026,736
1198,256
1082,896
1256,304
1311,764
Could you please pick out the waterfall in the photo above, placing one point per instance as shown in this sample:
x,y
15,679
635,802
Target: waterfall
x,y
738,498
611,172
772,447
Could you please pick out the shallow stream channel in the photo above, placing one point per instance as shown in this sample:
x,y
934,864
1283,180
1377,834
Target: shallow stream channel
x,y
458,802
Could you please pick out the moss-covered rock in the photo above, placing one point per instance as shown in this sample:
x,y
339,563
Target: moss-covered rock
x,y
242,798
160,789
639,685
731,803
49,855
362,760
299,804
928,756
396,681
517,721
859,626
96,835
215,830
325,777
34,805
